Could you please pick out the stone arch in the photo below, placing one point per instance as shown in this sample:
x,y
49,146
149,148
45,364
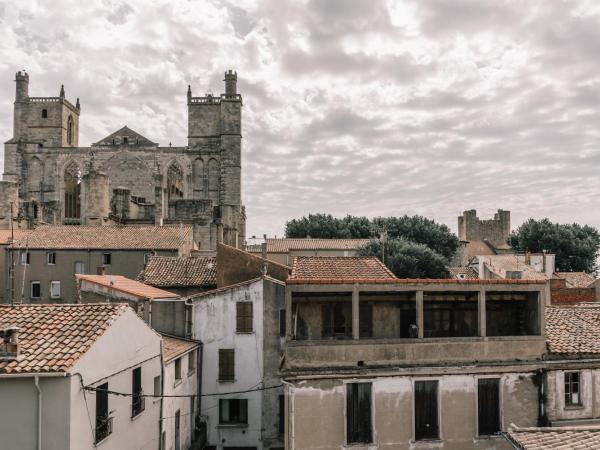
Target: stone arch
x,y
174,181
214,180
198,178
35,173
72,190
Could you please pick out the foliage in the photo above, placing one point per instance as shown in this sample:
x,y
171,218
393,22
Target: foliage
x,y
575,246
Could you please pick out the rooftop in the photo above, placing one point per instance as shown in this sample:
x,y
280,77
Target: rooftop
x,y
111,237
573,330
576,279
555,438
284,245
185,271
462,273
500,264
6,235
174,347
127,285
339,267
52,338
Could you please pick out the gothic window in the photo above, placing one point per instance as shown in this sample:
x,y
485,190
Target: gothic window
x,y
174,182
70,130
44,113
72,181
198,175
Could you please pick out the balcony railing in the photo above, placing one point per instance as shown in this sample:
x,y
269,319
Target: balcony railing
x,y
104,427
138,405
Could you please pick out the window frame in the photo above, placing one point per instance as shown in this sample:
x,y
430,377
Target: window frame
x,y
51,258
55,283
102,398
231,365
240,401
25,258
44,113
357,439
75,268
138,404
438,410
177,370
191,359
37,283
106,256
569,393
244,320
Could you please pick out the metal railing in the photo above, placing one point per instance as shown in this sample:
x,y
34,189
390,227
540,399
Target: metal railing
x,y
104,427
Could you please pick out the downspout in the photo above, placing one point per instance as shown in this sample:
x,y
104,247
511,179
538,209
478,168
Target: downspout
x,y
162,392
36,380
199,364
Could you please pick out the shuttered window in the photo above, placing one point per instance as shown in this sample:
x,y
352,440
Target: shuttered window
x,y
244,317
358,413
488,405
226,364
426,410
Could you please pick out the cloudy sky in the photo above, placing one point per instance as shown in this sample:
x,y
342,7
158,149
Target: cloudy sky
x,y
366,107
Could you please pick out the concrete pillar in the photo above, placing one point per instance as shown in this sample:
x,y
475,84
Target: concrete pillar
x,y
481,324
420,315
288,314
355,313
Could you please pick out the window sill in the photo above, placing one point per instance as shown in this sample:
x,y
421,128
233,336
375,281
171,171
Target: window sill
x,y
191,372
232,425
574,407
177,382
226,381
96,444
137,415
244,332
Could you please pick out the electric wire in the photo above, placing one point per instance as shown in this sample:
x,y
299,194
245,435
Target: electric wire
x,y
127,394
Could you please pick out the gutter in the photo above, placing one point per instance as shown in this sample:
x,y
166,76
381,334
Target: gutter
x,y
36,380
35,375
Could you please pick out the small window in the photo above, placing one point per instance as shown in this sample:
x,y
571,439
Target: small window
x,y
226,364
282,323
36,289
103,419
55,289
572,389
426,410
358,413
178,369
157,387
106,259
51,258
233,411
488,406
244,317
44,113
79,267
25,258
137,401
191,362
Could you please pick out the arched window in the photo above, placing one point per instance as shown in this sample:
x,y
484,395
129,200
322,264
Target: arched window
x,y
174,182
72,181
70,130
44,113
198,176
214,180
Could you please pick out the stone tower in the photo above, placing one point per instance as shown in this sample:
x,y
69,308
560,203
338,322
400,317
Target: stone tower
x,y
496,230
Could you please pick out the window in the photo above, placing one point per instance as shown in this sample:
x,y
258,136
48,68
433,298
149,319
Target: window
x,y
358,413
282,323
177,432
137,401
337,320
79,267
226,364
426,410
157,387
191,362
243,317
281,414
25,258
51,258
488,405
103,421
36,289
106,259
178,370
70,130
44,113
572,389
72,181
55,289
233,411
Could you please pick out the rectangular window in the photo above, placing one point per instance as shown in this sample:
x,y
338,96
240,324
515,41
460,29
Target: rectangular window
x,y
281,414
233,411
51,258
25,258
226,364
36,289
426,410
488,406
282,323
157,387
243,317
103,421
106,259
137,401
191,362
358,413
178,369
55,289
79,267
572,389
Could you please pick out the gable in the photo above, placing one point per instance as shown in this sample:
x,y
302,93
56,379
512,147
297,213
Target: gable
x,y
125,136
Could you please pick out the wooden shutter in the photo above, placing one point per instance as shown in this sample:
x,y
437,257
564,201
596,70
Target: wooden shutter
x,y
358,413
426,410
226,364
488,402
244,317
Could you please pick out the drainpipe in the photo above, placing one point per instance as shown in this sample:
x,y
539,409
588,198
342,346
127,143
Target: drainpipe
x,y
162,392
36,380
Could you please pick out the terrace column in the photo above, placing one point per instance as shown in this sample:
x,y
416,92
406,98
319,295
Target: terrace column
x,y
420,315
481,325
355,313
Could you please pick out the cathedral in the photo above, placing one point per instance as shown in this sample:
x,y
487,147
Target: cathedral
x,y
125,178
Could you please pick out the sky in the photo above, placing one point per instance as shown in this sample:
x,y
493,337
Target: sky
x,y
363,107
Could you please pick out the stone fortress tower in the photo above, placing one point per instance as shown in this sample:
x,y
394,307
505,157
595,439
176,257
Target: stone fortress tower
x,y
496,230
125,178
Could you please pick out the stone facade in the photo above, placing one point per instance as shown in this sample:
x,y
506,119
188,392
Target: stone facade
x,y
495,231
126,178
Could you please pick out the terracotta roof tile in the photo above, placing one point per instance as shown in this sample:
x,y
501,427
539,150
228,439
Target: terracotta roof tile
x,y
111,237
123,284
6,235
468,272
284,245
174,347
500,264
573,329
165,271
555,438
53,337
576,279
327,267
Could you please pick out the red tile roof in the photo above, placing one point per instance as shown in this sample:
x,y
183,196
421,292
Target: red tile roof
x,y
284,245
111,237
53,337
174,347
127,285
328,267
410,281
467,272
555,438
6,235
573,330
186,271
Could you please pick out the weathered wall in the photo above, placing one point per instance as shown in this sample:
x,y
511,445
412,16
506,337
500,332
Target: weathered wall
x,y
562,296
496,230
236,266
586,413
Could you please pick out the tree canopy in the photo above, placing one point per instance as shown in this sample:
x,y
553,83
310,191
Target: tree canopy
x,y
575,246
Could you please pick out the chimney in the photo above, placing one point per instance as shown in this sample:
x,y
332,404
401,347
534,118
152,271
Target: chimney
x,y
9,343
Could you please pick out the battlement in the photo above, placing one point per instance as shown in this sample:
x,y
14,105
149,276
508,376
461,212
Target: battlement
x,y
215,100
53,100
496,230
21,76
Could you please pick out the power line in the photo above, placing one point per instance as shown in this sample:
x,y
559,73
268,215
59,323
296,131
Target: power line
x,y
126,394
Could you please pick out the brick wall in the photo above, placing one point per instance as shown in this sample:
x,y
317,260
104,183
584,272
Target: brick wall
x,y
562,296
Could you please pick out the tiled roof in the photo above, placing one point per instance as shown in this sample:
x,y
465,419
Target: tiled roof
x,y
284,245
500,264
133,138
123,284
174,347
6,235
556,438
573,330
327,267
186,271
468,272
576,279
111,237
53,337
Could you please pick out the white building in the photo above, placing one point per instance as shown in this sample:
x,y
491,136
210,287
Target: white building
x,y
56,364
181,377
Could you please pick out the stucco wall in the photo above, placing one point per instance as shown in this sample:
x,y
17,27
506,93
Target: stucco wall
x,y
588,411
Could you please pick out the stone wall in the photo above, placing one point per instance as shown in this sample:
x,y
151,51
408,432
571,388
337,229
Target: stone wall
x,y
235,266
496,230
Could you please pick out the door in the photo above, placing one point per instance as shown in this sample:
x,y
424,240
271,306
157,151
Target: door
x,y
177,426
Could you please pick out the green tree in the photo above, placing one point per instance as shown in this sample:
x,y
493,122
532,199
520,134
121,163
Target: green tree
x,y
575,246
327,226
408,259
